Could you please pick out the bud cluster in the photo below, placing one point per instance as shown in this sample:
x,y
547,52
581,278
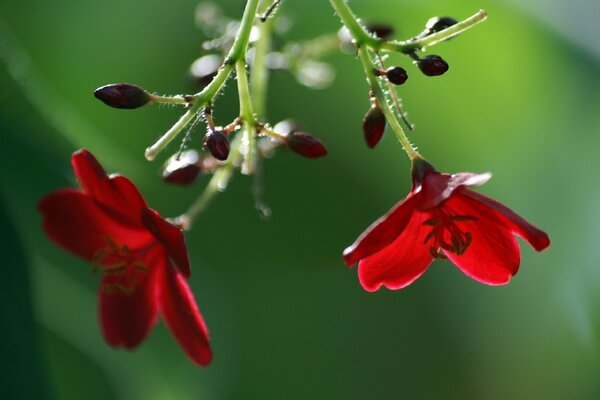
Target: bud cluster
x,y
374,121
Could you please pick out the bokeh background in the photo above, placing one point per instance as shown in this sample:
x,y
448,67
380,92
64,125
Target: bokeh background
x,y
288,319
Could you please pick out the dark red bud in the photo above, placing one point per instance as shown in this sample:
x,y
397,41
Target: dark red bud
x,y
183,171
382,31
433,65
204,69
437,24
373,126
305,145
217,144
122,95
396,75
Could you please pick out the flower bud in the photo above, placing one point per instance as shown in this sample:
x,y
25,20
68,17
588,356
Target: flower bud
x,y
183,171
437,24
432,65
305,145
217,144
373,126
204,69
396,75
123,95
382,31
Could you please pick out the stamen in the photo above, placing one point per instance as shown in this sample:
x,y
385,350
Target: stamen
x,y
442,223
140,266
117,261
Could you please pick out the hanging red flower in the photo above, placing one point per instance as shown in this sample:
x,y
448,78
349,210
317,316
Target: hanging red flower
x,y
441,218
142,257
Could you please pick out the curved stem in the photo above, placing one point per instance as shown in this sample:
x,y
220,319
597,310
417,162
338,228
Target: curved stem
x,y
361,36
390,116
359,33
435,38
217,183
394,96
237,51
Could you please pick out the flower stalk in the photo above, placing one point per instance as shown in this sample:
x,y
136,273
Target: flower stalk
x,y
237,52
380,97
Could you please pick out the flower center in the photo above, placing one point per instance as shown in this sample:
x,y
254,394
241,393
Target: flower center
x,y
446,234
118,266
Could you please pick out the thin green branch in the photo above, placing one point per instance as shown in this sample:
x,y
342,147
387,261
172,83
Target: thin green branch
x,y
359,33
390,116
435,38
363,37
237,51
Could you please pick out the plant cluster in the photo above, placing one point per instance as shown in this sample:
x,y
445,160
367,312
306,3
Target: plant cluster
x,y
142,256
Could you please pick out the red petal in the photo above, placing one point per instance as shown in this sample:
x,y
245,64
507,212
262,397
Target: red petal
x,y
127,317
116,193
382,232
436,187
537,238
180,313
402,262
493,255
170,236
76,223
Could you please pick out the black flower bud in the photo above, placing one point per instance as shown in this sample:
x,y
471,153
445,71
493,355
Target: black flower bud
x,y
305,145
433,65
184,170
217,144
123,95
396,75
382,31
373,125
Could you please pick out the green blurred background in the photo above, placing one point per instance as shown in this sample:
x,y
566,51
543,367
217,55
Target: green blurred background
x,y
288,319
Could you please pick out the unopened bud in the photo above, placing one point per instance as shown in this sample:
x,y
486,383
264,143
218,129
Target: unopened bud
x,y
382,31
396,75
123,95
373,126
433,65
305,145
183,171
217,144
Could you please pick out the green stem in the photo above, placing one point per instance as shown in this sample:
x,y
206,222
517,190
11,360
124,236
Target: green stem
x,y
217,183
390,116
359,33
394,96
435,38
240,44
361,36
237,52
247,115
169,99
246,112
259,74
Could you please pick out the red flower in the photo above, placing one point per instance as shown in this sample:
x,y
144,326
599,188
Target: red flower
x,y
441,218
142,257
